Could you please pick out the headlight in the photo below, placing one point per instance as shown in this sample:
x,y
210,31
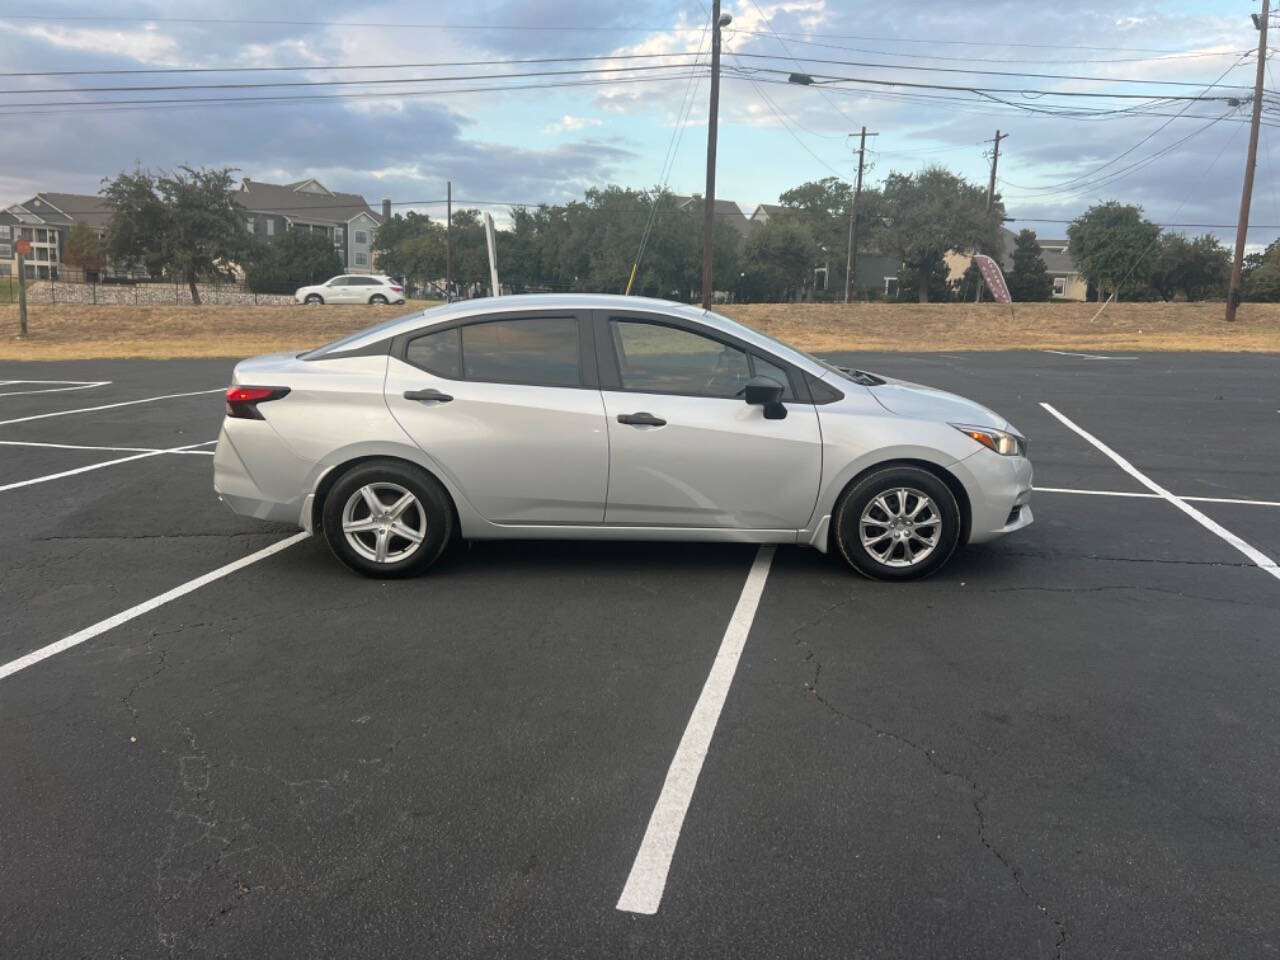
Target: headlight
x,y
1002,442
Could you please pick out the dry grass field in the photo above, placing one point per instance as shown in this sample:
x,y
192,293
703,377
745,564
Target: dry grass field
x,y
162,332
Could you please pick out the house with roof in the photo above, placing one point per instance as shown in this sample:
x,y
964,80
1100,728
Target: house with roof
x,y
1068,284
876,274
44,221
726,211
346,219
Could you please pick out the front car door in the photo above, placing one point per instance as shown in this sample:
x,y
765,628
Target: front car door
x,y
338,290
509,407
712,460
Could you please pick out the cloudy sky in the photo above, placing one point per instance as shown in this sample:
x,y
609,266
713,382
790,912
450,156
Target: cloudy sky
x,y
403,138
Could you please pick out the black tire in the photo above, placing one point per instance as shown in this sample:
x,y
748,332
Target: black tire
x,y
378,300
313,298
854,502
435,518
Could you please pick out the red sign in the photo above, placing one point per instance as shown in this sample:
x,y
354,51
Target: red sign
x,y
24,247
994,278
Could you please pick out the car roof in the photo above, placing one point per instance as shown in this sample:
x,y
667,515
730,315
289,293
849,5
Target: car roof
x,y
489,306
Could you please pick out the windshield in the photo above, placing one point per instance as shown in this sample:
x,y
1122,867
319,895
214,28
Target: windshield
x,y
367,335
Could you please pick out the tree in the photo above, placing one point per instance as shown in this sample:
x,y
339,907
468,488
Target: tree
x,y
1261,278
777,260
85,249
823,206
184,223
930,214
295,259
411,246
1198,269
1029,279
1107,243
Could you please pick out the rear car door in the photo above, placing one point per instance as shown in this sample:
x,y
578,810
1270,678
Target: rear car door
x,y
685,448
509,407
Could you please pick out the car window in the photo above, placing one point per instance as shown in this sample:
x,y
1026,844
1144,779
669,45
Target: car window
x,y
760,367
536,350
338,282
653,358
368,282
439,353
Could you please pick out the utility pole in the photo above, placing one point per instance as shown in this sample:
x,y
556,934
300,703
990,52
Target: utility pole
x,y
22,295
709,201
851,261
991,191
448,243
1246,197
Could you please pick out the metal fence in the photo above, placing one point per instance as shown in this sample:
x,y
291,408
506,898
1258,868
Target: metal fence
x,y
137,293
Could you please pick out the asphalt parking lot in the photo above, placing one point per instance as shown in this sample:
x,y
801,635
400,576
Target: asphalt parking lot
x,y
1065,744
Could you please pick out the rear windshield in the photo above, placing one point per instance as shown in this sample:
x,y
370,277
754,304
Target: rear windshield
x,y
359,338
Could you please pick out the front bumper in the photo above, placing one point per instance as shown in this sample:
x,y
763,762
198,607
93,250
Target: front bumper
x,y
999,491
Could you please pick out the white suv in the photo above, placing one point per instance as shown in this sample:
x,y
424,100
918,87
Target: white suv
x,y
353,288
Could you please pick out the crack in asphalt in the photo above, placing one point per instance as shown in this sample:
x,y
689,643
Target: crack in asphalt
x,y
1181,594
979,794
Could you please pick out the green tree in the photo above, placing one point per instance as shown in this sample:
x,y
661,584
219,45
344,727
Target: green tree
x,y
1109,243
411,246
929,214
295,259
183,223
1029,280
823,206
85,249
1198,269
1260,280
777,260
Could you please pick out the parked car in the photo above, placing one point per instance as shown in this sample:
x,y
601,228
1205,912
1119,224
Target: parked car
x,y
605,417
353,288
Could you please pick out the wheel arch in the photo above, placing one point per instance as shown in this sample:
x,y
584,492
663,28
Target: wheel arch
x,y
942,473
335,473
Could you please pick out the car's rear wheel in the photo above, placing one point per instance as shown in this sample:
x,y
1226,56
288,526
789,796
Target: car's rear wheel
x,y
897,523
387,519
313,298
378,300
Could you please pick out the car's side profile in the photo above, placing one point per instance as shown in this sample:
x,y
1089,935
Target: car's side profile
x,y
578,416
374,289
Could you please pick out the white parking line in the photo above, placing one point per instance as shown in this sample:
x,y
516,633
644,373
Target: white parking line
x,y
137,610
67,386
98,466
109,406
1086,356
1156,496
648,877
1259,558
82,446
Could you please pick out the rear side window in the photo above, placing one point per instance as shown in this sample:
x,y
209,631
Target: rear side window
x,y
539,350
438,353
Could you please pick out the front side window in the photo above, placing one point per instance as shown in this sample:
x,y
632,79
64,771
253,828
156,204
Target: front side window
x,y
653,358
537,350
339,282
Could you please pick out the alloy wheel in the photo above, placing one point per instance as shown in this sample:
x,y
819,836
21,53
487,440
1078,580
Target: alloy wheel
x,y
900,527
384,522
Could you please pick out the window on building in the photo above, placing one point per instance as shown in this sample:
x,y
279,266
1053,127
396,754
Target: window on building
x,y
337,235
538,350
1059,286
890,286
362,260
271,227
5,270
249,222
362,237
6,252
5,233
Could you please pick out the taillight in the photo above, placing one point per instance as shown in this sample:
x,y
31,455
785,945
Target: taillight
x,y
243,402
398,289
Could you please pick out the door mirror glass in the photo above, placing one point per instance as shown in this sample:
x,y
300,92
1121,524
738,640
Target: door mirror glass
x,y
766,392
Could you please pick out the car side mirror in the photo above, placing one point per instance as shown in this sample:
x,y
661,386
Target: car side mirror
x,y
766,392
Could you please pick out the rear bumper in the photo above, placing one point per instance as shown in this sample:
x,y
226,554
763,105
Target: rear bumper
x,y
999,491
245,494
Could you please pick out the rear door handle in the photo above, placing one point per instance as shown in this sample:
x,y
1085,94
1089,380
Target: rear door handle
x,y
426,395
641,420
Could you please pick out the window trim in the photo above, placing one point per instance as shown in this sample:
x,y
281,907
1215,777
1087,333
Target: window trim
x,y
611,376
1059,282
587,365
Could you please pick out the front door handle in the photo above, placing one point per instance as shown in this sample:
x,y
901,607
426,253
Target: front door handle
x,y
425,395
641,420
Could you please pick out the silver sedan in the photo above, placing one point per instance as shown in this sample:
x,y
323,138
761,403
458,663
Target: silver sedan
x,y
602,417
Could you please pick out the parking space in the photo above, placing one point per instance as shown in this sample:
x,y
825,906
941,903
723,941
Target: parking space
x,y
1065,744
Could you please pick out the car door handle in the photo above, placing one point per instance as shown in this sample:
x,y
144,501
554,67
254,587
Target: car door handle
x,y
641,420
425,395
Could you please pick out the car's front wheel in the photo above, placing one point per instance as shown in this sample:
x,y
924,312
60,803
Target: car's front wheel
x,y
897,523
384,518
313,298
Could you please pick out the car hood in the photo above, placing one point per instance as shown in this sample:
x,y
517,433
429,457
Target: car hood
x,y
926,403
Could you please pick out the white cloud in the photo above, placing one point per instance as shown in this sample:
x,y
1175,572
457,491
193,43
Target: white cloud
x,y
569,123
